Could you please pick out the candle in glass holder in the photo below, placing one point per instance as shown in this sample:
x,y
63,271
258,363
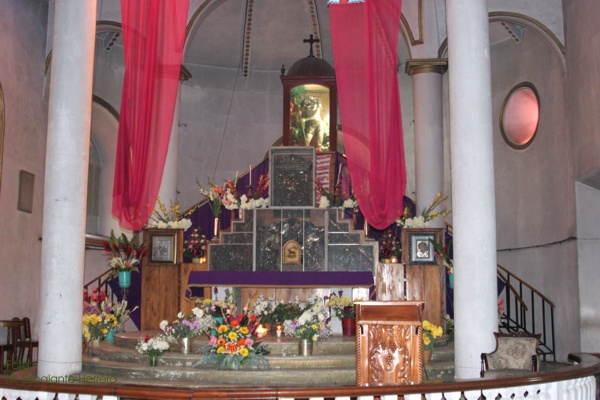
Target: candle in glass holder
x,y
261,331
279,329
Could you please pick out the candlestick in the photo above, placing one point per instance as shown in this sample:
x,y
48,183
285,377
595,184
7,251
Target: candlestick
x,y
250,180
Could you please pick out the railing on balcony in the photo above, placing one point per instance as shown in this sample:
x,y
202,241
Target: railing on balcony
x,y
575,382
526,309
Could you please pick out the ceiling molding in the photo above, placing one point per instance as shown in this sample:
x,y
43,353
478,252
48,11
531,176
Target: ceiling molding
x,y
411,37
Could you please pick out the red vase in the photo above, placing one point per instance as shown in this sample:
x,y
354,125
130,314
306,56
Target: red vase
x,y
349,326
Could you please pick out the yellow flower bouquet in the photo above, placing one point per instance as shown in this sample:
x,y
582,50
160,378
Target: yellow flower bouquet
x,y
430,333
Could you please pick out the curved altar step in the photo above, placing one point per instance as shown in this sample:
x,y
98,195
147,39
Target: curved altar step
x,y
333,363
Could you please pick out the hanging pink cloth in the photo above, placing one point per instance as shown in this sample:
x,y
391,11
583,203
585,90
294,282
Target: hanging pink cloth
x,y
365,51
153,40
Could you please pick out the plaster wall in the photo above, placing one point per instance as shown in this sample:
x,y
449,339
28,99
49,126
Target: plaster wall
x,y
588,234
535,197
23,29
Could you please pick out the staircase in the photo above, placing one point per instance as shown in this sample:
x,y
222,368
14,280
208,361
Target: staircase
x,y
333,363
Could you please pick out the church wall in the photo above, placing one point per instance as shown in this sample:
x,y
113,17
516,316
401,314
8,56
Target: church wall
x,y
227,122
22,56
583,60
535,197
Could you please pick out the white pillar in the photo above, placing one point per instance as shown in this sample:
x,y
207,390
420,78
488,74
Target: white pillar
x,y
429,139
168,184
473,194
65,187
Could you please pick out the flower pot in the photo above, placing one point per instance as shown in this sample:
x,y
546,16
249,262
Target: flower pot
x,y
124,279
185,344
110,335
196,260
451,281
305,347
94,349
349,326
427,356
216,228
154,360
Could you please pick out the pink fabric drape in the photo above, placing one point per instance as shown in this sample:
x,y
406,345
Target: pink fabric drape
x,y
153,40
365,50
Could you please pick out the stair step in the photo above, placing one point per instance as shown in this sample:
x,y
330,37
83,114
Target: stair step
x,y
333,363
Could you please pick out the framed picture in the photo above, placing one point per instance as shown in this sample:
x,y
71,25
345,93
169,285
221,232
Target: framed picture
x,y
163,245
421,248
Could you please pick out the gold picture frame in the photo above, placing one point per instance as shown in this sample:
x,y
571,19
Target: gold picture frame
x,y
163,246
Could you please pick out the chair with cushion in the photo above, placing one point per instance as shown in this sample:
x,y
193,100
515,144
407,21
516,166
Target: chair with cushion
x,y
515,354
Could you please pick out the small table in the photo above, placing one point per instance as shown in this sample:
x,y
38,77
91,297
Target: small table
x,y
9,347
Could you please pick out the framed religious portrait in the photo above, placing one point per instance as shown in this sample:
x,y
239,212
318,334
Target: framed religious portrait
x,y
163,245
421,248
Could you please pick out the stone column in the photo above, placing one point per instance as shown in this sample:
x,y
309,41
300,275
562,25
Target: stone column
x,y
473,194
65,187
429,139
168,184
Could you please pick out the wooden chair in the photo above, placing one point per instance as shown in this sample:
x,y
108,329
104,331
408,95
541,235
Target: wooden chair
x,y
8,351
25,344
515,354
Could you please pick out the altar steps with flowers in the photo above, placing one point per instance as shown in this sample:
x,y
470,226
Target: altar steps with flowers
x,y
333,363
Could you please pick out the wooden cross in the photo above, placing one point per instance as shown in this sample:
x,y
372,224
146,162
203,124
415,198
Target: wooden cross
x,y
311,41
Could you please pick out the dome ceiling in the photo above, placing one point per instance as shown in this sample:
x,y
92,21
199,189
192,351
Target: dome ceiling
x,y
258,35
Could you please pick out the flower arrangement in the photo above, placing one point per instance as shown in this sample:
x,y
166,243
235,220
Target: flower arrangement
x,y
389,246
442,251
97,325
123,253
430,333
264,309
328,199
119,310
152,345
501,313
218,308
258,199
92,301
407,220
168,219
343,307
196,244
188,326
234,345
215,195
312,324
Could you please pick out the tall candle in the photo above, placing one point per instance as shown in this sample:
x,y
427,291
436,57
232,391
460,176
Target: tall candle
x,y
339,175
250,180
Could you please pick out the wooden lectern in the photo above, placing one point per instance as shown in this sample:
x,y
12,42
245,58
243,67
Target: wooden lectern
x,y
389,337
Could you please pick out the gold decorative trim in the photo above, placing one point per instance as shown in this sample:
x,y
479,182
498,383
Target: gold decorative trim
x,y
106,105
423,65
312,6
411,37
195,16
497,15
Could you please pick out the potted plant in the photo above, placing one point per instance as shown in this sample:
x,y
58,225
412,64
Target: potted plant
x,y
234,344
309,327
430,333
195,245
186,327
124,255
343,308
153,347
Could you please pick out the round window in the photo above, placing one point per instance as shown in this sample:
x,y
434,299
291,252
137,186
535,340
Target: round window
x,y
520,115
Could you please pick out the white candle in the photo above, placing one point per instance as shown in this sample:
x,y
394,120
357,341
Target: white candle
x,y
236,175
339,175
250,180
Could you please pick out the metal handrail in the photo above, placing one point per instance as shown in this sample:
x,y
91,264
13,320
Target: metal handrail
x,y
520,316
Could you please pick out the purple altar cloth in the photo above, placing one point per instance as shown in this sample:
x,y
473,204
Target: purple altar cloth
x,y
201,279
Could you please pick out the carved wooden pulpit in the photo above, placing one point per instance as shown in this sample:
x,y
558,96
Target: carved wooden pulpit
x,y
389,349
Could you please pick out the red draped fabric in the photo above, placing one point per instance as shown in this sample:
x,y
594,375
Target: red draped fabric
x,y
365,51
153,40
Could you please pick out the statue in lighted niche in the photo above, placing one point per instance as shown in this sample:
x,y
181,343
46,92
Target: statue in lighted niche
x,y
307,125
